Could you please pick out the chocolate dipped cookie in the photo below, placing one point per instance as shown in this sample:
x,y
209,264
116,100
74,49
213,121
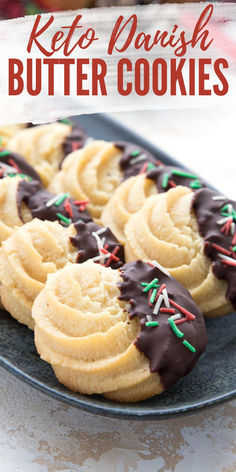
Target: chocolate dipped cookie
x,y
45,146
168,229
130,196
22,199
94,172
128,334
39,248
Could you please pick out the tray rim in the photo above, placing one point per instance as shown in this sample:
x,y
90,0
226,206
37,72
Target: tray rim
x,y
118,413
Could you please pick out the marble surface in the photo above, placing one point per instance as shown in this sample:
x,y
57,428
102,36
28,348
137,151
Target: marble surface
x,y
38,434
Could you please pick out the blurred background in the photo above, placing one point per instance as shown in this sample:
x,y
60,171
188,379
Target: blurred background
x,y
16,8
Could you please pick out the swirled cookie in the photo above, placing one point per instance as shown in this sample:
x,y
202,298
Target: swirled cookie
x,y
94,172
41,247
130,196
7,132
45,146
127,199
166,229
9,215
26,258
128,334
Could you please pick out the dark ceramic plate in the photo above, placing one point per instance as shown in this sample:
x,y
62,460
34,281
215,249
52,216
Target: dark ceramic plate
x,y
213,379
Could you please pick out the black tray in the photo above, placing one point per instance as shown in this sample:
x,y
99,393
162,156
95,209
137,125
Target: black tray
x,y
213,379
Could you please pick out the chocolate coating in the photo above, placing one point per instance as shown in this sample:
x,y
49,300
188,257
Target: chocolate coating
x,y
166,352
129,169
36,197
21,164
75,140
158,174
87,244
208,213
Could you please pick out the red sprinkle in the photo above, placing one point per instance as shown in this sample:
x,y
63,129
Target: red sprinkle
x,y
75,145
171,183
160,290
226,228
181,320
2,171
221,249
13,164
167,310
144,168
68,208
81,203
227,262
113,256
149,263
183,310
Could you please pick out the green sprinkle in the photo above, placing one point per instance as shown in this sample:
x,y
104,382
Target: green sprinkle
x,y
234,248
152,284
23,176
4,152
174,328
225,207
233,214
135,153
195,184
66,121
224,213
152,323
182,173
150,166
165,180
189,346
153,295
61,199
63,218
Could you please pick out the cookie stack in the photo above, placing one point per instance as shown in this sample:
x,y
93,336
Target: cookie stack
x,y
111,257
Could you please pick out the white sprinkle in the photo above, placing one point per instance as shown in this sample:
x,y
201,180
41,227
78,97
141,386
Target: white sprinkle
x,y
158,304
176,317
219,197
98,239
232,228
142,157
162,269
149,318
103,241
166,299
8,168
53,200
100,231
224,220
101,257
227,258
230,208
100,246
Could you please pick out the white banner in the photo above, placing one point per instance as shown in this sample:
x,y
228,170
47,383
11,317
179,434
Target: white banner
x,y
113,59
